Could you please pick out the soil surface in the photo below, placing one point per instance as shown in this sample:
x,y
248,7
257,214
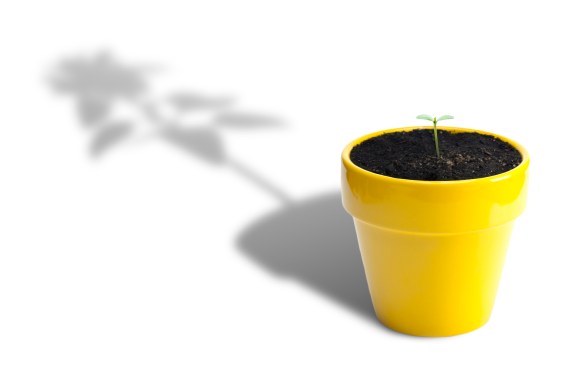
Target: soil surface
x,y
412,155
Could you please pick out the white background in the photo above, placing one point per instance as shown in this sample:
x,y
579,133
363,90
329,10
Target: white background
x,y
134,262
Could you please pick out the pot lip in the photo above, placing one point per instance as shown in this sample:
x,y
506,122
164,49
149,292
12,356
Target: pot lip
x,y
492,178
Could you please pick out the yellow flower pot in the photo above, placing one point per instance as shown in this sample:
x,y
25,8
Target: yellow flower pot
x,y
433,251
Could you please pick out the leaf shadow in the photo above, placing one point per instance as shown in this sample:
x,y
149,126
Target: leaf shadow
x,y
109,135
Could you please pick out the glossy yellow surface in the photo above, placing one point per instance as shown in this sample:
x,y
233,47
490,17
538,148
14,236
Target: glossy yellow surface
x,y
433,251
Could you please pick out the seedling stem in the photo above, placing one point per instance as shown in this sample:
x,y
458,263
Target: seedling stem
x,y
434,120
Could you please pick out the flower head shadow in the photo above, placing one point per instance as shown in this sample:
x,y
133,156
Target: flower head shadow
x,y
100,83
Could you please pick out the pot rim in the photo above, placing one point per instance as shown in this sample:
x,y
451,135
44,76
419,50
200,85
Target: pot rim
x,y
492,178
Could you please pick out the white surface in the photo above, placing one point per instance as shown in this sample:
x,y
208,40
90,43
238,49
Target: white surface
x,y
130,263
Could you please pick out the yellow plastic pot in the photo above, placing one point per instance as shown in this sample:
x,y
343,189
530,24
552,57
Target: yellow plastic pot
x,y
433,251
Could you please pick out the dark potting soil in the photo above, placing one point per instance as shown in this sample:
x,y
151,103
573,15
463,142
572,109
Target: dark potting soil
x,y
412,155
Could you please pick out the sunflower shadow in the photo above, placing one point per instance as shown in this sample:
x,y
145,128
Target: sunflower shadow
x,y
101,83
314,242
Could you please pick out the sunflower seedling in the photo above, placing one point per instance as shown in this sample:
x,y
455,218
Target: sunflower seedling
x,y
434,120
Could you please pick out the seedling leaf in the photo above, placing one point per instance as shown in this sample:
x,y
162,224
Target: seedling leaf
x,y
425,116
444,117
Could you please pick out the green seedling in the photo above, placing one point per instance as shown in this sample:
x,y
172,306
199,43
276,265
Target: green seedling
x,y
434,120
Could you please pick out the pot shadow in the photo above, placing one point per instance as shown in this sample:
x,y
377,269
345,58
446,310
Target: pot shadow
x,y
314,242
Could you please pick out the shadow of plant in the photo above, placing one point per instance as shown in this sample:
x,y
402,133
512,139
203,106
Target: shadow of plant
x,y
100,83
312,241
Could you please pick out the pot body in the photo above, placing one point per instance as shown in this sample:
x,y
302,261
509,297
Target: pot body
x,y
433,252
